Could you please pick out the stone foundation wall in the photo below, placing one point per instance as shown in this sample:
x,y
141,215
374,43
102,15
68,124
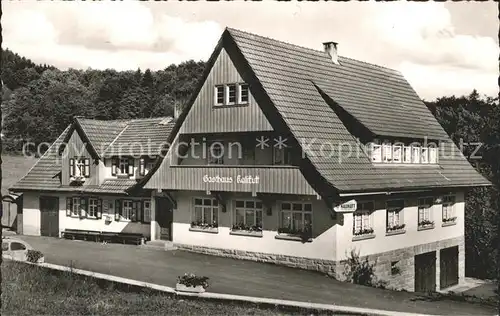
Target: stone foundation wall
x,y
403,259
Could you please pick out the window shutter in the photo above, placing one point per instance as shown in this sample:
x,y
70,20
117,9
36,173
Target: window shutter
x,y
131,166
134,216
114,164
83,207
69,206
99,208
118,209
140,211
71,167
86,171
142,166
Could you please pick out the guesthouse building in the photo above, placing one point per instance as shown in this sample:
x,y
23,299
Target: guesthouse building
x,y
305,158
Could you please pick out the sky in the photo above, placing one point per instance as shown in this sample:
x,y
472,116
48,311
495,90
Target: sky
x,y
445,48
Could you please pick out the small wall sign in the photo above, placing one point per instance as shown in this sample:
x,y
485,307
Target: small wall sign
x,y
346,207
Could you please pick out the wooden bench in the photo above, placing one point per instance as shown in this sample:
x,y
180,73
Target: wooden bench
x,y
103,236
81,234
130,237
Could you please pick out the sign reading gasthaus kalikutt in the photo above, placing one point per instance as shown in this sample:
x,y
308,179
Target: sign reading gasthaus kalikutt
x,y
239,179
346,207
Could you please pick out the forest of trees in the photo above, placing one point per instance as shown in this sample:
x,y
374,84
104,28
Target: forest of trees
x,y
39,101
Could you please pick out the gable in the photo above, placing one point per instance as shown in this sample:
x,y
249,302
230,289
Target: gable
x,y
204,117
76,148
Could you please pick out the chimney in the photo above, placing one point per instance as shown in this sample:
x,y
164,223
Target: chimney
x,y
331,49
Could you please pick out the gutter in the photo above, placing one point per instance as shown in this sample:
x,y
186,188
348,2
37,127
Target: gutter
x,y
412,191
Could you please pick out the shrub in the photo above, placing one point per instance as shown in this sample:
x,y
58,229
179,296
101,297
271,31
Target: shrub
x,y
358,271
190,279
33,255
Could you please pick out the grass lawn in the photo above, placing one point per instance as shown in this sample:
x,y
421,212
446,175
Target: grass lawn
x,y
14,168
31,290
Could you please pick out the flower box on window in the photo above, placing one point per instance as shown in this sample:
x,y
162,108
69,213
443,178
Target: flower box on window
x,y
367,231
294,234
449,221
204,227
77,180
425,224
245,230
396,229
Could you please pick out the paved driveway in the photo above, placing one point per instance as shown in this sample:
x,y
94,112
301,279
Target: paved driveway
x,y
237,276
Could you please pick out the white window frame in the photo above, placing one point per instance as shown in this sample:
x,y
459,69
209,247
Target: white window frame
x,y
214,211
394,213
365,216
433,155
216,95
424,209
127,207
415,154
424,155
407,157
240,93
387,153
376,152
303,212
245,208
448,207
227,87
397,158
285,153
93,207
125,163
75,208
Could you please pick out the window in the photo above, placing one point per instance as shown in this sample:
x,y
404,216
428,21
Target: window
x,y
75,209
248,216
206,213
387,152
433,155
415,150
396,153
424,211
147,212
215,153
407,154
123,166
362,223
219,95
449,209
127,212
424,157
17,246
79,167
376,153
93,207
395,215
296,218
282,156
243,95
230,94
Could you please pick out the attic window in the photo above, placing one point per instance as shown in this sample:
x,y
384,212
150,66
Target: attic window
x,y
231,94
399,152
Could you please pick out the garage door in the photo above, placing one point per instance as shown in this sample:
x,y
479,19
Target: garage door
x,y
448,267
49,216
425,272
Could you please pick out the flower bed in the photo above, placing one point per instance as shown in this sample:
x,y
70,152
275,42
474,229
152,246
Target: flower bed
x,y
190,282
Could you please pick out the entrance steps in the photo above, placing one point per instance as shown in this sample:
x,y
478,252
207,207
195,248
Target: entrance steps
x,y
159,245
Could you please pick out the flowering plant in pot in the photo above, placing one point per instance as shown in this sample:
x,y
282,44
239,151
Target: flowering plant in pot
x,y
190,282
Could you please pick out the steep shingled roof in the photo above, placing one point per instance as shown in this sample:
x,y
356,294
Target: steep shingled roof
x,y
380,98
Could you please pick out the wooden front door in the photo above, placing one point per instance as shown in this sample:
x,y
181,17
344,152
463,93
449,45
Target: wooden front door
x,y
49,216
164,217
425,272
448,264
